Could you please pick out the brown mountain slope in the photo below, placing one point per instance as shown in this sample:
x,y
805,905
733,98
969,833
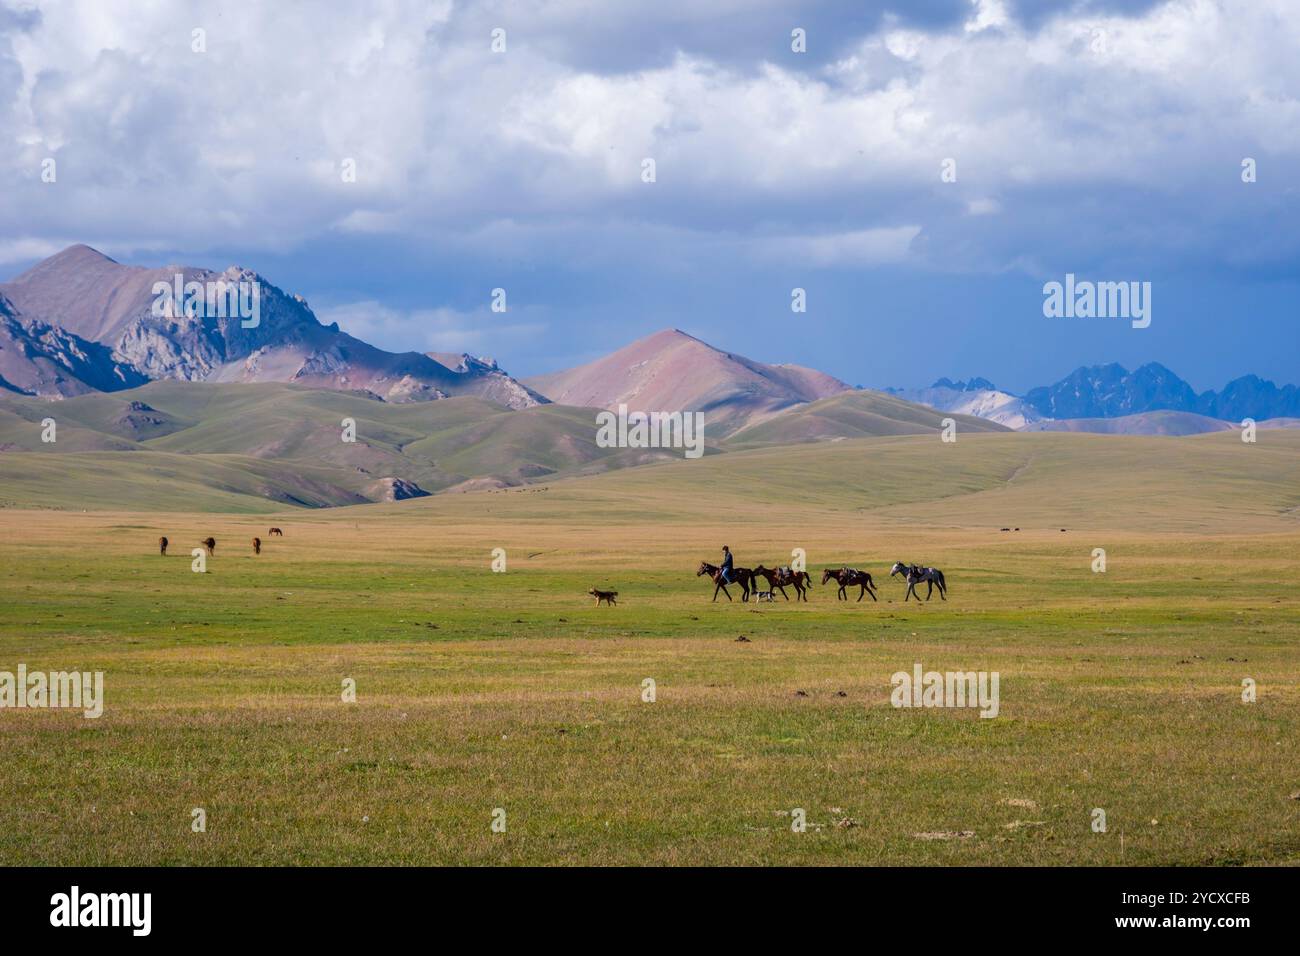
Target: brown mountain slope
x,y
90,295
672,371
44,360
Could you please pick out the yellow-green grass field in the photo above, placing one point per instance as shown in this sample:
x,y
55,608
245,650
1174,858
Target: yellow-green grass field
x,y
478,690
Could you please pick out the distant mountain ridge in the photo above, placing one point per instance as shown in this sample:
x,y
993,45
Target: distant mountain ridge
x,y
80,322
1111,391
977,397
1091,396
94,299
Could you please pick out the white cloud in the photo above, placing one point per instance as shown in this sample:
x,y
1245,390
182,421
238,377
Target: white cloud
x,y
242,145
429,330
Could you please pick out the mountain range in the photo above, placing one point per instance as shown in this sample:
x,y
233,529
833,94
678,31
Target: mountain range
x,y
80,323
1151,400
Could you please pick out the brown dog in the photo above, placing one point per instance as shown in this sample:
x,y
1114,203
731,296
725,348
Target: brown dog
x,y
606,596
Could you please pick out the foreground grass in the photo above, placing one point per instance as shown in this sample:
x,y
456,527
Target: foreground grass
x,y
476,691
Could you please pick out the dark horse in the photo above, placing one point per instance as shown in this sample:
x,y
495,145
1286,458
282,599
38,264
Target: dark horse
x,y
210,544
846,578
778,578
914,575
257,545
742,576
162,546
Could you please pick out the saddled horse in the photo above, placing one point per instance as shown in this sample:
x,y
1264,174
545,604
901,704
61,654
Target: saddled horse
x,y
915,574
846,578
778,578
742,576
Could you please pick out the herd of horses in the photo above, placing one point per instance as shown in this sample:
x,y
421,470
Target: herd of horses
x,y
779,578
209,543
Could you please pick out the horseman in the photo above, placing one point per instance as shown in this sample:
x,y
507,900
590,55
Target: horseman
x,y
725,571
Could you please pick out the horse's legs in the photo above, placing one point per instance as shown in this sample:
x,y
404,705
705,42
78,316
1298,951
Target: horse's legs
x,y
781,588
871,592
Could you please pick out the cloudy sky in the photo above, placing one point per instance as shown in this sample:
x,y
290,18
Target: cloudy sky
x,y
1101,137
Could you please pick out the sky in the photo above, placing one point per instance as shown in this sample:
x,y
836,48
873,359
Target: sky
x,y
921,171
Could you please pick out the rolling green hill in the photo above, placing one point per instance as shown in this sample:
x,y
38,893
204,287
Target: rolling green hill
x,y
209,444
857,414
258,448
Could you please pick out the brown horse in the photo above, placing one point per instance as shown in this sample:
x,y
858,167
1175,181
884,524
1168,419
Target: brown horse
x,y
742,576
210,544
778,578
276,531
162,546
257,545
846,578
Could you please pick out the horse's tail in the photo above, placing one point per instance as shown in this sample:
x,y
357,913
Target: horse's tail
x,y
942,583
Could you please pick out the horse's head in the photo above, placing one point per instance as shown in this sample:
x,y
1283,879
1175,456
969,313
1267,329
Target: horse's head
x,y
827,575
705,568
898,568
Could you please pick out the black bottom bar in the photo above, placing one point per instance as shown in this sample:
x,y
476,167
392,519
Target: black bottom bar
x,y
369,905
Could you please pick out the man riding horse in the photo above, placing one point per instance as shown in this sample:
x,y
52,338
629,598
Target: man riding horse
x,y
726,565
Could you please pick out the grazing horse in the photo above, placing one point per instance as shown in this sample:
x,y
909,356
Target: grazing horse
x,y
162,546
257,545
210,544
778,578
742,576
914,575
276,531
846,578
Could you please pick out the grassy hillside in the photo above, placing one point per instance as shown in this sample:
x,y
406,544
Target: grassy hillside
x,y
1208,483
857,414
276,432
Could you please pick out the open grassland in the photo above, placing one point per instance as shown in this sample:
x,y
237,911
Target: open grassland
x,y
476,690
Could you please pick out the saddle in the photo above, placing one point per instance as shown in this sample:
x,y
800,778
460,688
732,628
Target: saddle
x,y
784,573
